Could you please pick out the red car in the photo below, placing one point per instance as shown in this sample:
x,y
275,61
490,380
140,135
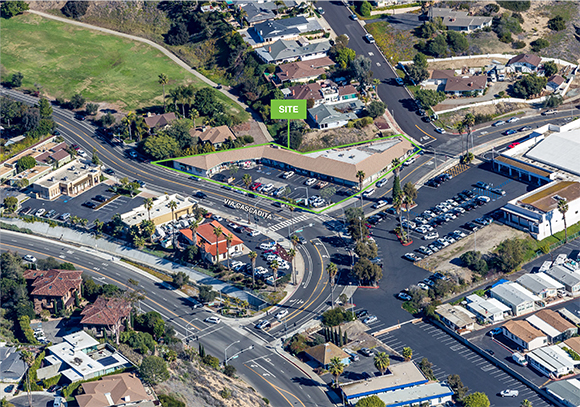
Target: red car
x,y
512,145
76,147
255,186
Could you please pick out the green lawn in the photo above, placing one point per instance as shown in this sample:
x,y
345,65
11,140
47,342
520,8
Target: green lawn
x,y
396,45
65,60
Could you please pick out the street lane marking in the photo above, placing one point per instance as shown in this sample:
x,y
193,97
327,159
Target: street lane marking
x,y
279,390
423,131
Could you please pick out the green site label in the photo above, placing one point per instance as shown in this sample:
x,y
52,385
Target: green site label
x,y
288,109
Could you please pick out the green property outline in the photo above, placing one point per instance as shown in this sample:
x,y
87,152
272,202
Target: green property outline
x,y
318,212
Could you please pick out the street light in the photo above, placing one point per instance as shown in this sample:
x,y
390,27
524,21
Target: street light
x,y
225,352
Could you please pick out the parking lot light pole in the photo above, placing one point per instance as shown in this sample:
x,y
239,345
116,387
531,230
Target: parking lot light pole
x,y
226,350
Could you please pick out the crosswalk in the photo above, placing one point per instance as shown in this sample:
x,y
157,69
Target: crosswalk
x,y
457,169
289,222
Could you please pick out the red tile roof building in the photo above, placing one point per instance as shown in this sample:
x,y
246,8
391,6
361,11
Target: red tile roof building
x,y
160,120
206,241
53,287
303,70
116,390
106,314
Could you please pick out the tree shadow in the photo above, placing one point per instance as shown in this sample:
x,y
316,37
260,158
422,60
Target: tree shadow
x,y
304,381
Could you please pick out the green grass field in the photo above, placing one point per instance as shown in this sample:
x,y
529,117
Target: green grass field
x,y
65,59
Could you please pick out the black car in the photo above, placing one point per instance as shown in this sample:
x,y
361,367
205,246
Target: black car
x,y
490,352
468,193
56,133
373,220
200,194
366,351
471,226
391,211
427,119
90,204
100,198
109,171
362,313
141,183
433,183
80,117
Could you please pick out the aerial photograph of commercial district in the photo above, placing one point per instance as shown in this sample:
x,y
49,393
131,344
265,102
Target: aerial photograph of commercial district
x,y
290,203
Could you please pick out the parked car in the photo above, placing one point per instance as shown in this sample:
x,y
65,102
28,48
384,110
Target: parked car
x,y
498,191
431,236
50,214
287,174
370,319
366,351
310,181
100,198
109,171
482,185
509,393
40,212
90,205
514,144
412,257
439,130
8,389
399,81
361,313
404,296
30,258
369,38
353,17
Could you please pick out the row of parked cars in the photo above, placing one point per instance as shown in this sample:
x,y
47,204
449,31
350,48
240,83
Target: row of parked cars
x,y
425,284
51,214
436,182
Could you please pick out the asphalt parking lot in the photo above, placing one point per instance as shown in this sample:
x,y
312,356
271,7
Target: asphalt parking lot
x,y
362,368
452,357
74,205
299,190
398,273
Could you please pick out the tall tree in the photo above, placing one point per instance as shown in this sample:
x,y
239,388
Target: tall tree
x,y
563,208
336,368
291,254
163,80
173,206
382,362
148,204
361,176
229,238
28,358
332,270
274,266
217,232
407,353
253,256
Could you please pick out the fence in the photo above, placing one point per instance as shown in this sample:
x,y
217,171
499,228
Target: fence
x,y
508,56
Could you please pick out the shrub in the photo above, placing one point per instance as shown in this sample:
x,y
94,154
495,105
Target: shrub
x,y
557,23
474,261
539,44
519,44
170,401
336,316
523,5
211,361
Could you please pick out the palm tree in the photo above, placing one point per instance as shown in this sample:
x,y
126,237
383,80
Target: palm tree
x,y
274,266
148,205
361,176
526,403
229,238
175,96
163,80
396,165
398,204
294,240
468,121
335,368
382,362
407,353
193,227
291,254
247,180
187,93
332,270
252,256
173,206
28,358
217,232
563,208
409,196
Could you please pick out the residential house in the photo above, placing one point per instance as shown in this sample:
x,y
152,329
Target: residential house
x,y
456,317
72,179
323,353
302,71
524,334
259,12
12,367
439,77
570,279
557,328
271,31
385,3
81,357
41,152
326,92
403,384
214,135
526,63
459,86
53,290
486,310
555,82
520,300
55,155
307,91
572,343
210,245
552,361
118,390
159,121
567,392
283,51
540,284
106,315
327,117
459,20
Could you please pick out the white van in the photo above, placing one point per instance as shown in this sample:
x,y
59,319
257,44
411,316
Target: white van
x,y
561,259
519,359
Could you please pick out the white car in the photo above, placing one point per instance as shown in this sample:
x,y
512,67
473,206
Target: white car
x,y
498,123
217,217
412,257
310,181
288,174
212,320
423,286
450,239
483,198
509,393
82,153
267,246
442,242
431,236
40,212
370,319
282,314
452,202
254,232
267,188
368,192
283,265
459,209
30,258
460,233
381,183
380,204
513,119
422,230
404,296
262,324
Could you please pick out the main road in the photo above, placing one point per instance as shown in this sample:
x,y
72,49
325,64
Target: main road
x,y
259,362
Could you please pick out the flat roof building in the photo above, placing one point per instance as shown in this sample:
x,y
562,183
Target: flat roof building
x,y
551,361
524,334
160,212
520,300
566,391
338,165
559,150
553,324
72,179
537,211
540,284
456,317
570,279
486,310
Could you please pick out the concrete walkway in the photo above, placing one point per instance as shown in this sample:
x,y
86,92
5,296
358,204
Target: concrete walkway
x,y
170,55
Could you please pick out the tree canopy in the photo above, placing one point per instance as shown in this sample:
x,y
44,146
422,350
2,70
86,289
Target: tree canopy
x,y
153,370
429,97
476,399
12,8
376,109
25,163
370,401
529,86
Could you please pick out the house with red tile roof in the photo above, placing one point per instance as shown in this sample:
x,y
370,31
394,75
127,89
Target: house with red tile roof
x,y
210,245
53,290
106,314
160,120
123,389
